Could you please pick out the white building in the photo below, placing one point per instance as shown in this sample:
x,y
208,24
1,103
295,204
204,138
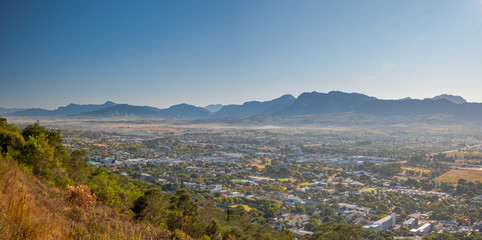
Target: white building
x,y
421,230
383,224
410,223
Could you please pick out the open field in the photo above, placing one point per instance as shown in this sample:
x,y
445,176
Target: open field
x,y
286,132
258,163
246,207
368,190
416,169
260,166
305,184
454,175
285,179
418,178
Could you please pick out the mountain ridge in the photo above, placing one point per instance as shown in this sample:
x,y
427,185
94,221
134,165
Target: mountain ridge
x,y
61,111
255,107
452,98
308,103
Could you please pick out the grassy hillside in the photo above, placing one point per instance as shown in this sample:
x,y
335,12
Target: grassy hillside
x,y
31,209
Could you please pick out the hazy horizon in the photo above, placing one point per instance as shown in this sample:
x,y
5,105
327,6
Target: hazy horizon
x,y
164,53
238,103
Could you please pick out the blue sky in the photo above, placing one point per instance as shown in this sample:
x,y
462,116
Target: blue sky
x,y
161,53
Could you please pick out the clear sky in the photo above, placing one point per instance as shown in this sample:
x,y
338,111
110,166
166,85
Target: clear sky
x,y
161,53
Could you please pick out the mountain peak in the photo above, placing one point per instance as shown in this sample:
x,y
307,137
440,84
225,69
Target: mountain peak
x,y
185,110
286,96
182,106
256,107
452,98
213,107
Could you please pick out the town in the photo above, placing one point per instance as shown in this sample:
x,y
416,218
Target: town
x,y
394,184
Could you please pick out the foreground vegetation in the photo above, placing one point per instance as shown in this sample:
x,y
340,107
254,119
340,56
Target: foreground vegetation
x,y
47,192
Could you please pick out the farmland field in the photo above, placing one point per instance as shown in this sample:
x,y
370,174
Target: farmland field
x,y
454,175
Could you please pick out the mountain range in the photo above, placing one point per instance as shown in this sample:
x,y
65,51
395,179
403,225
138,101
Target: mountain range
x,y
308,103
68,110
9,110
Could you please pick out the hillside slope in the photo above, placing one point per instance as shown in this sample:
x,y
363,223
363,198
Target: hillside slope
x,y
31,209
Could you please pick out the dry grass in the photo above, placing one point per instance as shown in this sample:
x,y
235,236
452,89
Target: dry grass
x,y
419,178
81,197
260,166
453,176
29,209
25,212
416,169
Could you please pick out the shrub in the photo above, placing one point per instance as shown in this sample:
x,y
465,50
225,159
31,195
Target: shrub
x,y
81,196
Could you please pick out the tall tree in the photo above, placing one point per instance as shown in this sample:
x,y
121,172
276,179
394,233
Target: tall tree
x,y
213,230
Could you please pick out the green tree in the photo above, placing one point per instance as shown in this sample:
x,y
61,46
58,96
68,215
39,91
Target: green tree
x,y
10,137
77,168
35,130
299,208
152,207
182,202
269,208
310,210
340,231
41,155
213,230
313,225
183,212
438,236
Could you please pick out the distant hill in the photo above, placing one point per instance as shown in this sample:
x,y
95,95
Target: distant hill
x,y
70,109
213,107
9,110
406,107
452,98
387,108
32,112
122,110
256,108
319,103
181,111
185,111
77,108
